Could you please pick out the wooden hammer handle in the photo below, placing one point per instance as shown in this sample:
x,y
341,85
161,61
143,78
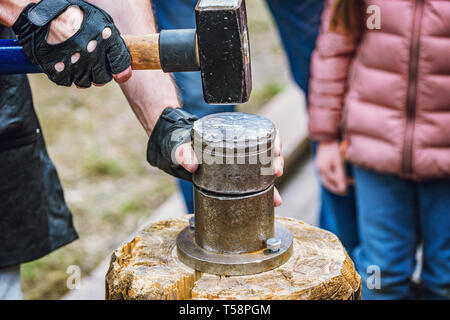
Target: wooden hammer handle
x,y
144,50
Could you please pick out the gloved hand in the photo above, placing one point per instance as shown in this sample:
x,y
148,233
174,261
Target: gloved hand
x,y
111,55
172,130
170,149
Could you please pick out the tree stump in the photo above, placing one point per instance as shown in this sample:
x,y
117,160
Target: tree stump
x,y
148,268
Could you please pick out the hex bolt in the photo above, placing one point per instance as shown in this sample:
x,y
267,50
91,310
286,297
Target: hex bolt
x,y
273,244
192,223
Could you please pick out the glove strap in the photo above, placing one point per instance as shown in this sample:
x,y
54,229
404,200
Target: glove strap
x,y
47,10
174,115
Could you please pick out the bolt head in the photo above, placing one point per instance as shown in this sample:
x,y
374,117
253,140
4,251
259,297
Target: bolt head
x,y
192,223
273,244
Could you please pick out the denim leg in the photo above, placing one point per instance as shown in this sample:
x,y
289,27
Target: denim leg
x,y
10,283
298,23
174,14
180,14
338,215
327,220
387,221
187,190
434,223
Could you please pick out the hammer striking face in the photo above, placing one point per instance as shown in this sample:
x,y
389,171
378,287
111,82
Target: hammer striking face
x,y
224,51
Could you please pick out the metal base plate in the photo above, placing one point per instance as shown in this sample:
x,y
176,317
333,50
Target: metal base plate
x,y
233,264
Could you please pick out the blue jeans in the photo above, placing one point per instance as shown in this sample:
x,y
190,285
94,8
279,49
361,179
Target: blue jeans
x,y
395,216
298,23
10,283
180,14
338,213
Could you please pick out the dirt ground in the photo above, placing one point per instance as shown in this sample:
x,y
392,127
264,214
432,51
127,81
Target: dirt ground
x,y
99,149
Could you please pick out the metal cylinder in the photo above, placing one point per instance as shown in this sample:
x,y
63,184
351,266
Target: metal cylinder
x,y
234,232
233,224
236,153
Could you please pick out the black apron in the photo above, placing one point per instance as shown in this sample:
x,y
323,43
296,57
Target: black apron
x,y
34,218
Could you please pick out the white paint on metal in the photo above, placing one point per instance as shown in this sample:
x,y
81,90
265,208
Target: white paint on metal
x,y
205,4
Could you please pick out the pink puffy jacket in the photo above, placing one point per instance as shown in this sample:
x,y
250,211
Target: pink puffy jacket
x,y
389,94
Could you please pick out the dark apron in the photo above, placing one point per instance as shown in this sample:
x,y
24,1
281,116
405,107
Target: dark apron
x,y
34,218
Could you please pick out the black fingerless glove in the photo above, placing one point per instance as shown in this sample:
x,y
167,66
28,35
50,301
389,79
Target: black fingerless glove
x,y
172,129
110,56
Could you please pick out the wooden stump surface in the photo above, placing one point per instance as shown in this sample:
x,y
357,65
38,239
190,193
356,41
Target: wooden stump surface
x,y
148,268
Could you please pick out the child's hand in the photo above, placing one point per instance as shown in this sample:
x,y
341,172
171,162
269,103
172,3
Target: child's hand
x,y
330,164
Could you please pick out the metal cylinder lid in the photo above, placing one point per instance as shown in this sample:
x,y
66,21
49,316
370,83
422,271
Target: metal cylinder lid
x,y
235,151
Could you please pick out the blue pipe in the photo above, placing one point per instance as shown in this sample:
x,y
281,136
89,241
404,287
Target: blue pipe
x,y
13,60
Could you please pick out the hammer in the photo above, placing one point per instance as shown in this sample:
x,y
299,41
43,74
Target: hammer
x,y
218,48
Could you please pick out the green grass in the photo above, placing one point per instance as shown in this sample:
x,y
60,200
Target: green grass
x,y
96,165
46,278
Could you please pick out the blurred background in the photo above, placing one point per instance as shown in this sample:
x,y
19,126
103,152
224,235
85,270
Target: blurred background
x,y
99,149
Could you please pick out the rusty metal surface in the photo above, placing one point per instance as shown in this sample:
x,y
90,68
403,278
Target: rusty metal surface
x,y
233,224
235,152
191,254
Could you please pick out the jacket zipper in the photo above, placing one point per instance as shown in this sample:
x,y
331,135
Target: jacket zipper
x,y
412,87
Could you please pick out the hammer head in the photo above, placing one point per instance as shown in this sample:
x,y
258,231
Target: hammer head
x,y
224,51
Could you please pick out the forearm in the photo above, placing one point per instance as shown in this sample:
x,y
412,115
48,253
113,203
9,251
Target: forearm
x,y
11,9
148,92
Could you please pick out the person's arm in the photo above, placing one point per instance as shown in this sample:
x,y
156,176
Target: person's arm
x,y
148,92
330,65
11,9
29,18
